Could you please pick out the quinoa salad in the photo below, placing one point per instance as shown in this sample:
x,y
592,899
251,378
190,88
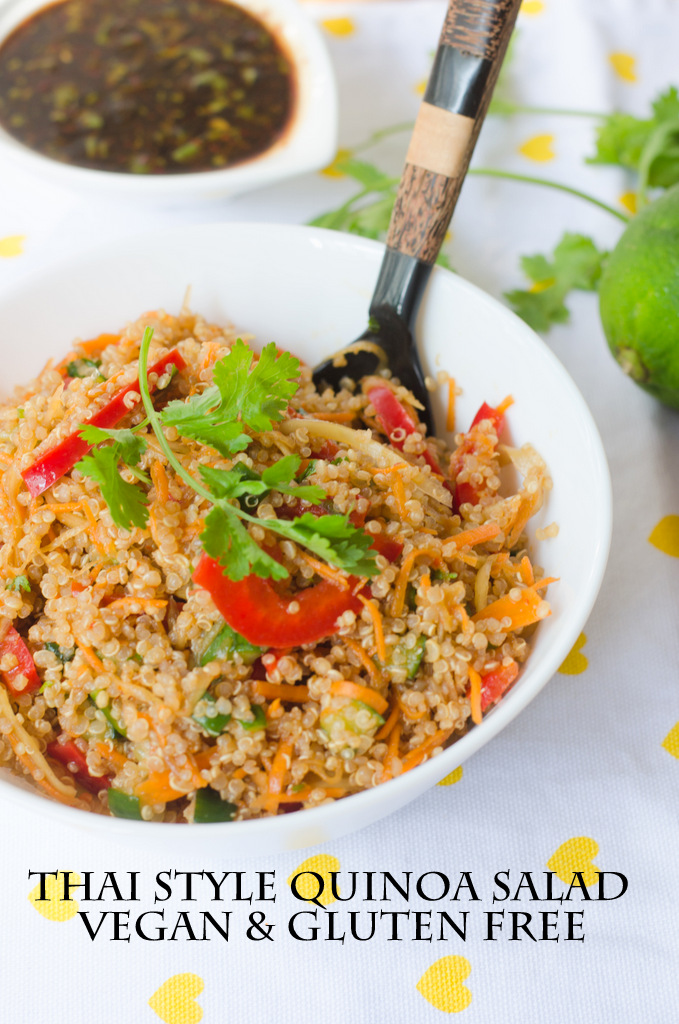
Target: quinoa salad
x,y
225,595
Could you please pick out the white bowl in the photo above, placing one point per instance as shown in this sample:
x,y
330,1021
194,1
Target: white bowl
x,y
308,290
308,143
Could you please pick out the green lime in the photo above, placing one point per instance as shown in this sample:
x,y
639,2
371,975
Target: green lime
x,y
639,298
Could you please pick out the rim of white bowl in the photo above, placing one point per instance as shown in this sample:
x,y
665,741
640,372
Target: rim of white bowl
x,y
308,143
426,775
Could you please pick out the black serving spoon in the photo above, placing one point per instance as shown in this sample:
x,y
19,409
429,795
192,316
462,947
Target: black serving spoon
x,y
471,49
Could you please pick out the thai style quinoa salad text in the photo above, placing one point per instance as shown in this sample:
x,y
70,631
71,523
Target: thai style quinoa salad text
x,y
224,595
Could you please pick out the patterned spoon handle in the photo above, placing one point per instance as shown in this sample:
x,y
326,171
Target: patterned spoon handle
x,y
471,49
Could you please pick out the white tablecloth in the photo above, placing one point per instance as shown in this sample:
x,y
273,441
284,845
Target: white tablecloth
x,y
587,775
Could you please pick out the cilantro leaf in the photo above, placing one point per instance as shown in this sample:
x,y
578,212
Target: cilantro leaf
x,y
333,538
240,480
19,583
281,476
128,503
201,418
259,395
649,145
242,395
130,446
576,263
226,484
226,539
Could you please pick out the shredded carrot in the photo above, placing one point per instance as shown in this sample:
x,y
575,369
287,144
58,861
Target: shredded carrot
x,y
418,755
389,724
475,695
143,602
541,584
520,613
374,700
526,571
158,790
213,348
425,582
392,752
153,528
400,494
387,470
283,691
414,716
160,482
111,755
326,571
239,773
468,538
399,597
274,709
279,769
91,657
79,506
96,345
504,405
364,658
500,559
450,415
377,627
336,417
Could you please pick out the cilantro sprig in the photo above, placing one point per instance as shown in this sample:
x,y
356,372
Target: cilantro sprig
x,y
576,263
242,396
251,397
127,502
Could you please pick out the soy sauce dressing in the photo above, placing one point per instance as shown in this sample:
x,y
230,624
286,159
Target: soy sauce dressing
x,y
145,86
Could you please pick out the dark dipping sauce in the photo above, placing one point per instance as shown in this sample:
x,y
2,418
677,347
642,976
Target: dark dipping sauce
x,y
145,86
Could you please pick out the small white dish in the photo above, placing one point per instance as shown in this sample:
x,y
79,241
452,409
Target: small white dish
x,y
308,290
308,143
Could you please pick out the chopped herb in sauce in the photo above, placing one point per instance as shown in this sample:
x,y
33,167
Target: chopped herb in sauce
x,y
145,86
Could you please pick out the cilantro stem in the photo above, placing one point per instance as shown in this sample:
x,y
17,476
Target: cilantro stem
x,y
507,108
155,423
489,172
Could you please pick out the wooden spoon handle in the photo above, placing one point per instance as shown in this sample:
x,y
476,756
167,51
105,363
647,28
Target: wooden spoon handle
x,y
471,49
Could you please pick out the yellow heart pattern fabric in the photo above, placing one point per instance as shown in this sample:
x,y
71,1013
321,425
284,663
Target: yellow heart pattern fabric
x,y
12,245
339,26
175,1001
54,908
322,864
452,777
539,148
532,8
442,984
624,65
575,662
665,536
575,855
671,741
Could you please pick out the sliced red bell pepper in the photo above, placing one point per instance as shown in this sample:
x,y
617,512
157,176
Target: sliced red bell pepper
x,y
68,753
387,546
393,416
51,466
495,683
258,612
465,491
14,644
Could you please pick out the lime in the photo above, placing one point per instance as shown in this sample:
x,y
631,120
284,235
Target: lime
x,y
639,299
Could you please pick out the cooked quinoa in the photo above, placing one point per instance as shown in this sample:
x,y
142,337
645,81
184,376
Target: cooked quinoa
x,y
123,681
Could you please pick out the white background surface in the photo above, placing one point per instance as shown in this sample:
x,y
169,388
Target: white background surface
x,y
584,760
